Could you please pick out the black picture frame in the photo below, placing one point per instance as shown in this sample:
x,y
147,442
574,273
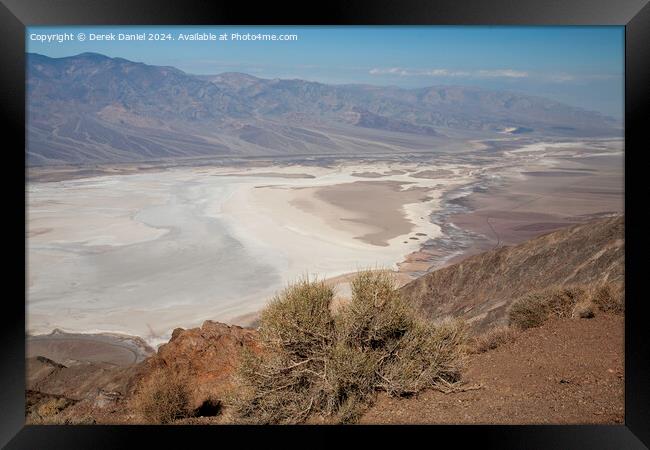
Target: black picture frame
x,y
15,15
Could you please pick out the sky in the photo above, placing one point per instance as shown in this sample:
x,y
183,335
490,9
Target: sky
x,y
580,66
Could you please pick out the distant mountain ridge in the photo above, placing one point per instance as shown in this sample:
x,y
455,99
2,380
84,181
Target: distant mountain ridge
x,y
91,108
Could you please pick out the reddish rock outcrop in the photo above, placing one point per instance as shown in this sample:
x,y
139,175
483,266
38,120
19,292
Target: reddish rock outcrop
x,y
207,357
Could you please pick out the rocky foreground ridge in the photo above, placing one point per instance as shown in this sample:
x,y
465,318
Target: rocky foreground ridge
x,y
96,392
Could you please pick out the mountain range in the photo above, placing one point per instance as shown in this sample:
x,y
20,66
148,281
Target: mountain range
x,y
91,108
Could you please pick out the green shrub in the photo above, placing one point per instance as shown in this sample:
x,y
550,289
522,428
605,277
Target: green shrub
x,y
316,363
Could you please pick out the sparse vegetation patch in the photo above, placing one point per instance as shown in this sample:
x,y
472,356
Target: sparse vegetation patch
x,y
317,363
610,297
535,308
494,338
162,398
578,301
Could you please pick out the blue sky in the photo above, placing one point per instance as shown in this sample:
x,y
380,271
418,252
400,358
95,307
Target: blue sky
x,y
581,66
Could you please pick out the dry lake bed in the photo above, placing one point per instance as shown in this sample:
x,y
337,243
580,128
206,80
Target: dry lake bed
x,y
145,253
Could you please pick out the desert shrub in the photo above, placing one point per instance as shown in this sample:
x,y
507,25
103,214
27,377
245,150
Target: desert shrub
x,y
273,390
299,320
162,397
377,315
349,382
610,297
283,384
493,338
316,363
561,302
52,407
426,354
584,309
48,411
535,308
528,311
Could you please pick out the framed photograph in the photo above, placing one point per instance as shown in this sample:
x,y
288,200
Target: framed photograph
x,y
366,218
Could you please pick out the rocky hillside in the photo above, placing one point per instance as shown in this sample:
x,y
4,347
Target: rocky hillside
x,y
90,108
80,392
481,287
101,392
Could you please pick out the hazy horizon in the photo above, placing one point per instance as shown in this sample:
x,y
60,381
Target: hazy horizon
x,y
579,66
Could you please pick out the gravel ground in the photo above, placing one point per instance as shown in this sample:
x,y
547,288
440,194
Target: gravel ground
x,y
569,371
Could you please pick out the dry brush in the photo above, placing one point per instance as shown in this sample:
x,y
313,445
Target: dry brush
x,y
332,365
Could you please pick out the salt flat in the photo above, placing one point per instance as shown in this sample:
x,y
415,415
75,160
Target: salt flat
x,y
145,253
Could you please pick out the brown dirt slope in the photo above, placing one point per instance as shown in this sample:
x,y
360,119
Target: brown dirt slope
x,y
481,287
568,371
81,392
80,380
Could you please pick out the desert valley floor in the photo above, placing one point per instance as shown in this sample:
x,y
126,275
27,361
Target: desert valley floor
x,y
143,253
